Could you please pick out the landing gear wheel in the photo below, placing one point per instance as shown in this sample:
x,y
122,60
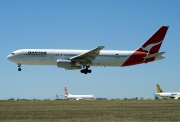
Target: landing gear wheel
x,y
86,70
19,69
89,71
82,71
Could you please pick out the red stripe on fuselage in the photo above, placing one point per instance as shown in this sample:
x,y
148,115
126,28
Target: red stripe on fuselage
x,y
137,58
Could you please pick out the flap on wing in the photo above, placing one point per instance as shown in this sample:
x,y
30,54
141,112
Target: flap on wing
x,y
87,56
154,55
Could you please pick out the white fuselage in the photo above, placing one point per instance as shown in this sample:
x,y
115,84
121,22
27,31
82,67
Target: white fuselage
x,y
174,95
81,97
50,56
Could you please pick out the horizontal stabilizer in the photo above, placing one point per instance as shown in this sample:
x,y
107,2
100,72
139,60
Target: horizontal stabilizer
x,y
154,55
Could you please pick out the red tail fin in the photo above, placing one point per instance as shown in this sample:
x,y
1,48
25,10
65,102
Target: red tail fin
x,y
66,92
153,44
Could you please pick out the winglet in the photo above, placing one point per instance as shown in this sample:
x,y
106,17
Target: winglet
x,y
153,44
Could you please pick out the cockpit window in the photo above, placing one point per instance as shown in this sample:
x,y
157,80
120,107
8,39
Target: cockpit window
x,y
13,53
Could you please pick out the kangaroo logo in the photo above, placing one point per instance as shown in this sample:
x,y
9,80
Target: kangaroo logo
x,y
148,47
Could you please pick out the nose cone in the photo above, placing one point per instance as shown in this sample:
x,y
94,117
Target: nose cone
x,y
10,57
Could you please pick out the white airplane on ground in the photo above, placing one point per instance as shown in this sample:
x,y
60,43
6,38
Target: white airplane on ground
x,y
173,95
83,59
78,97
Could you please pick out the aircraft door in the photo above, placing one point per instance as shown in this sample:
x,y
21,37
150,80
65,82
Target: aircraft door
x,y
21,55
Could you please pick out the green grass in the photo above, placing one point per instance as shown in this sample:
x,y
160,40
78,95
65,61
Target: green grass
x,y
90,111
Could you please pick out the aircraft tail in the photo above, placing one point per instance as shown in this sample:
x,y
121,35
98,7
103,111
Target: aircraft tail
x,y
159,90
65,91
153,44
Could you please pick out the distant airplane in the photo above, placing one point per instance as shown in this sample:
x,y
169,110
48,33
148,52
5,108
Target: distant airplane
x,y
83,59
173,95
78,97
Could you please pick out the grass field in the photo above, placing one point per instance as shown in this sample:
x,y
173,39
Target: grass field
x,y
90,111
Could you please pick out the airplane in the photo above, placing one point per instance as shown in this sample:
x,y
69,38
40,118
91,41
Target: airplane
x,y
173,95
78,97
83,59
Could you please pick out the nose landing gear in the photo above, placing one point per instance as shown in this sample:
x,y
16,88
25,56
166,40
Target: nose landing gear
x,y
19,67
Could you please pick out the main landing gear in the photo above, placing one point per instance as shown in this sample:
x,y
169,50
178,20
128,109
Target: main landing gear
x,y
19,67
86,70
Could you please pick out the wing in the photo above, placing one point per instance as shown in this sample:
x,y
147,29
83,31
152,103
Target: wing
x,y
87,56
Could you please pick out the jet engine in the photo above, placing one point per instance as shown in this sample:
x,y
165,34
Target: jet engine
x,y
67,64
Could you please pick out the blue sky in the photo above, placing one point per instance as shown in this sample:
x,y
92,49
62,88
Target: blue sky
x,y
80,24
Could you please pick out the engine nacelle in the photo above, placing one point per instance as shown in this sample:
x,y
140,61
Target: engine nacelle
x,y
67,64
